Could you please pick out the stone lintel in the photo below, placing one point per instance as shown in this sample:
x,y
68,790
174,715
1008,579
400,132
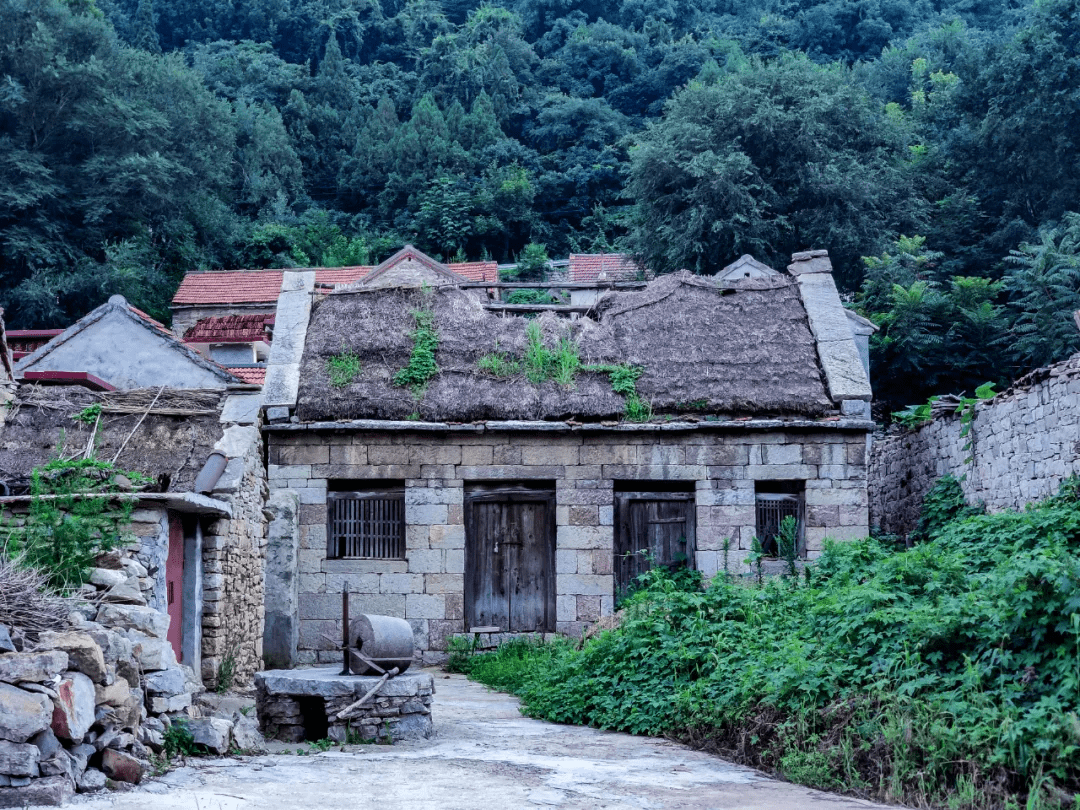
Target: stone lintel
x,y
832,423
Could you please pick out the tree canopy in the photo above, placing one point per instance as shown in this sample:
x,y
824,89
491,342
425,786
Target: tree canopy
x,y
141,139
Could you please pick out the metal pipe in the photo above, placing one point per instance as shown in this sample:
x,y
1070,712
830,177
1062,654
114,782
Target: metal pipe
x,y
345,628
208,476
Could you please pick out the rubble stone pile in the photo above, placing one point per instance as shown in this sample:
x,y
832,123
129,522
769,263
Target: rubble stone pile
x,y
92,702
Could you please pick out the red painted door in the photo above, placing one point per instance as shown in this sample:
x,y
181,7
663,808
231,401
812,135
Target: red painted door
x,y
174,584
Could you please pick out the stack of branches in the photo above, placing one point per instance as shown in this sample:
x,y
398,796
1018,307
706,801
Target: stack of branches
x,y
163,402
26,603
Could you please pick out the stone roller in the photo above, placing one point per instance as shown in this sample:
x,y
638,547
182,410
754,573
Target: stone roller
x,y
383,640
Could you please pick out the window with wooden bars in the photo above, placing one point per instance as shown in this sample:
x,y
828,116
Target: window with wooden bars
x,y
366,524
774,501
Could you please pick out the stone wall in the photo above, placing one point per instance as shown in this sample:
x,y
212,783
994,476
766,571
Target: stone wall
x,y
427,588
1022,444
234,553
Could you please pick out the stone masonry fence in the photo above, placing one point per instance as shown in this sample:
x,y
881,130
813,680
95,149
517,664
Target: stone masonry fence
x,y
1022,444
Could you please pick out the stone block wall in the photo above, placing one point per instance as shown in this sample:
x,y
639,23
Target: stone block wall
x,y
234,553
1023,443
427,588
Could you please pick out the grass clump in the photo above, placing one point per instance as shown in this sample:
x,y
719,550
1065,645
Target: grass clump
x,y
422,366
945,675
343,368
499,364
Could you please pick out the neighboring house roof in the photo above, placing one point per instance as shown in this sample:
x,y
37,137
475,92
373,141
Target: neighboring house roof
x,y
23,341
223,287
229,287
231,329
703,349
410,253
6,367
255,375
585,267
125,348
744,267
166,447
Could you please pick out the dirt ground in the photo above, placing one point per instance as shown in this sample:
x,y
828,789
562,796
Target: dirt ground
x,y
484,756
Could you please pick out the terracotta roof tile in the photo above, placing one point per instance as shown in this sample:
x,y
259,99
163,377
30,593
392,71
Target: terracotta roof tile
x,y
477,271
230,287
612,266
264,286
230,329
256,376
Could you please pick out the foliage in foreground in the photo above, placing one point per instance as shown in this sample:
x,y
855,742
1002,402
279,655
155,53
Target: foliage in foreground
x,y
74,516
946,675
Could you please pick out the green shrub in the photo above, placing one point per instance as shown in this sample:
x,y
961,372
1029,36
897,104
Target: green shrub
x,y
179,740
947,674
943,504
77,511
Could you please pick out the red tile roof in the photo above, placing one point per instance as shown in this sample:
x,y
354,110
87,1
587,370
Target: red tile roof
x,y
612,266
230,287
263,286
154,323
256,376
230,329
477,271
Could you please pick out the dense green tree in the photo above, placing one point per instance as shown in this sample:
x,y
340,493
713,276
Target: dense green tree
x,y
778,157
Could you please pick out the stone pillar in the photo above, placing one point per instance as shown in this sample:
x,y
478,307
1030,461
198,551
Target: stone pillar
x,y
281,633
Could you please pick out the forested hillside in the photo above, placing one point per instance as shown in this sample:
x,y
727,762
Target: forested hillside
x,y
140,139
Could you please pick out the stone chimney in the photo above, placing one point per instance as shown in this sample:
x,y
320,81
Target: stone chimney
x,y
810,261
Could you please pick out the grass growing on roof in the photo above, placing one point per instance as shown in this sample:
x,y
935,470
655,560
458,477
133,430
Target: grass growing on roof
x,y
422,366
343,368
946,675
561,365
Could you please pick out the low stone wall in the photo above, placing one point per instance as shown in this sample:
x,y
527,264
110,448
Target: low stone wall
x,y
427,588
1022,444
302,705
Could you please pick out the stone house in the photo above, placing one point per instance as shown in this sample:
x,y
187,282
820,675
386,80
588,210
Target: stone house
x,y
511,488
198,529
116,346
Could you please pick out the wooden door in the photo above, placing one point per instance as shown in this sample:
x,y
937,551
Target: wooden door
x,y
174,585
510,559
652,528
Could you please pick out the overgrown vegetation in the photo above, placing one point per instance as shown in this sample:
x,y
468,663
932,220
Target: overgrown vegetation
x,y
74,516
945,675
624,381
343,368
561,364
422,366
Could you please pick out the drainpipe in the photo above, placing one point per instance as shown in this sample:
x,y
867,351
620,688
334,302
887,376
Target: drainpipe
x,y
208,476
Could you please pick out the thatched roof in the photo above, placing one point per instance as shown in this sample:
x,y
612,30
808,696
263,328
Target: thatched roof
x,y
171,445
704,349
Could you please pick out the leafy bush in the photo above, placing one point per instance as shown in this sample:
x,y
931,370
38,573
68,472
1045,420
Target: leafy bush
x,y
947,674
74,516
178,739
943,504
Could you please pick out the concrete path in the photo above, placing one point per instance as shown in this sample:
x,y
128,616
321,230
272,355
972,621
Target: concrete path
x,y
486,756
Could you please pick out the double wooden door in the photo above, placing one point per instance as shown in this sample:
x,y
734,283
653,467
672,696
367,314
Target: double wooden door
x,y
510,559
652,528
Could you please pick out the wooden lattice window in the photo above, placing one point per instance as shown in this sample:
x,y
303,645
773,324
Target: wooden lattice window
x,y
366,525
773,504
